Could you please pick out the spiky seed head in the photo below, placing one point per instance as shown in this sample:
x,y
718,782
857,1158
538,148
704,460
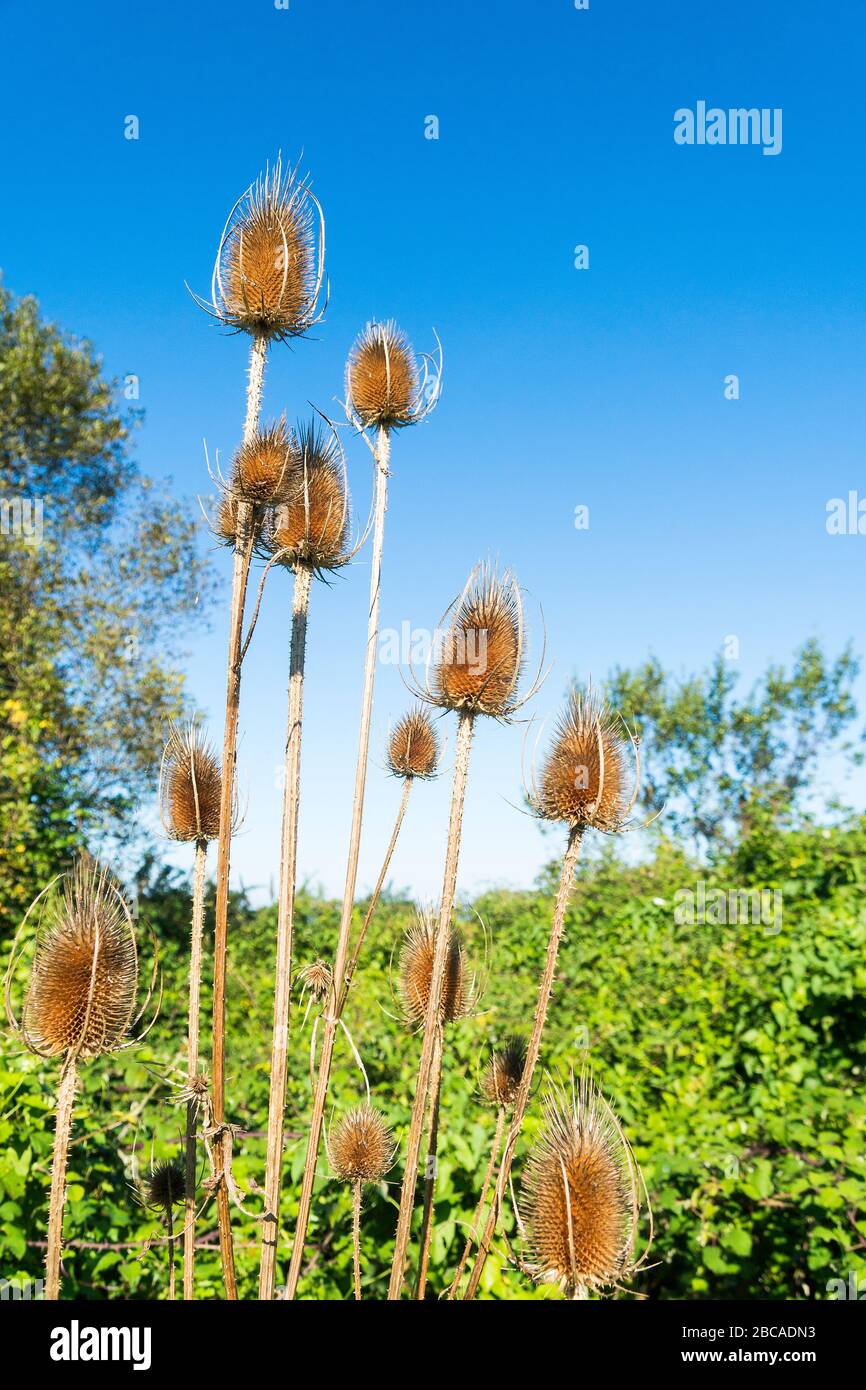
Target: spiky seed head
x,y
224,517
317,979
362,1147
267,272
382,377
503,1074
480,659
264,465
83,983
190,785
578,1201
413,748
166,1186
585,776
312,521
416,973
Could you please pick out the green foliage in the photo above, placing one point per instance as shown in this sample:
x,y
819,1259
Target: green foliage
x,y
734,1056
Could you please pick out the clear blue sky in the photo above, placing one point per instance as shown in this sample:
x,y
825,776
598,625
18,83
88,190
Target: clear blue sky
x,y
563,387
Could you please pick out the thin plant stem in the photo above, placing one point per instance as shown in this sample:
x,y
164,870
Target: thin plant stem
x,y
430,1171
62,1130
243,555
482,1200
462,749
356,1236
169,1222
285,929
545,989
331,1015
386,864
192,1068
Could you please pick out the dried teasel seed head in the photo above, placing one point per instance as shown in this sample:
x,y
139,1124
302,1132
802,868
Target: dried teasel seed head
x,y
84,978
586,776
223,522
480,658
166,1186
413,748
382,378
362,1147
316,978
579,1201
190,786
503,1074
264,465
311,524
269,271
416,972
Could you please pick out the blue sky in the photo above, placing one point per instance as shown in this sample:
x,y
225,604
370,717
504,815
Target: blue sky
x,y
602,387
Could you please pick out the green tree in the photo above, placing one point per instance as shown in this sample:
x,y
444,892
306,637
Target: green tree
x,y
101,573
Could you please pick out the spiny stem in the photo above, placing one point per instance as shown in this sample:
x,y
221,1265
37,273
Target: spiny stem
x,y
401,811
62,1130
169,1222
545,989
356,1236
285,926
462,750
479,1210
331,1015
244,539
192,1068
430,1173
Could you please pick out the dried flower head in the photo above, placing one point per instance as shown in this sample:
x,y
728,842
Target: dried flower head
x,y
586,777
270,265
413,748
382,377
82,992
166,1186
311,524
480,659
316,978
503,1074
190,785
580,1199
416,972
223,517
362,1147
264,465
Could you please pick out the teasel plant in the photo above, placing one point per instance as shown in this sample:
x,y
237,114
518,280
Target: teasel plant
x,y
460,996
589,780
476,670
164,1189
190,789
360,1151
498,1086
582,1196
386,390
268,282
80,1002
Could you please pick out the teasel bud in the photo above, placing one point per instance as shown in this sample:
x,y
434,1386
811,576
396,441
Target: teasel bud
x,y
480,660
362,1148
459,994
190,786
311,523
413,747
503,1074
586,779
579,1200
269,268
264,465
382,379
165,1187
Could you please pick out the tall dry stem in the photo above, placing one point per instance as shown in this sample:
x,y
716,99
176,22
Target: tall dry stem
x,y
386,864
463,746
62,1130
482,1201
192,1105
331,1016
430,1170
356,1237
285,924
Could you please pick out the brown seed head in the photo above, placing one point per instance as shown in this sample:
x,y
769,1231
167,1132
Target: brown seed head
x,y
224,522
416,973
190,786
413,748
264,465
480,659
585,777
382,377
503,1074
166,1186
267,271
577,1201
316,978
312,522
81,997
362,1147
